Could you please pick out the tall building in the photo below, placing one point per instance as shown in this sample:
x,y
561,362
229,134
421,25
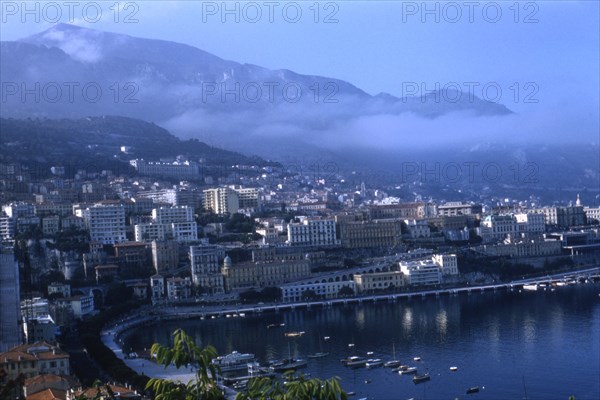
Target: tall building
x,y
10,313
313,232
106,223
206,267
165,255
180,169
222,200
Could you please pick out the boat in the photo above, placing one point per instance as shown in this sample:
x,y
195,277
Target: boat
x,y
530,287
326,338
234,361
408,371
320,354
473,389
421,378
453,369
374,363
417,358
351,393
350,344
392,363
288,364
275,325
400,368
355,362
294,334
369,353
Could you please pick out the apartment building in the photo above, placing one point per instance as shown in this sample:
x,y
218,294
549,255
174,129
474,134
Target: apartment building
x,y
313,232
106,223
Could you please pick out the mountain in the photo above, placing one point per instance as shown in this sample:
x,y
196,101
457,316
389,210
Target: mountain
x,y
93,143
77,72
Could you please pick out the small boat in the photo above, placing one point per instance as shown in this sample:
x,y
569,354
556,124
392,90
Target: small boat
x,y
421,378
374,363
530,287
274,325
453,369
473,389
400,368
367,381
318,355
351,393
350,344
294,334
408,371
355,362
392,363
326,338
369,353
417,358
288,364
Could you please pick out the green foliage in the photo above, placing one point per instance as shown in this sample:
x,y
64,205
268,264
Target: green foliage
x,y
185,352
239,223
265,388
118,293
346,291
268,294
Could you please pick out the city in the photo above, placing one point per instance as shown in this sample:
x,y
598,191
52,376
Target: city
x,y
177,225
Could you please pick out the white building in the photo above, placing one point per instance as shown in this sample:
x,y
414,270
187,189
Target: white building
x,y
175,223
176,214
206,267
531,223
327,290
448,263
424,272
418,228
179,288
180,169
312,232
222,200
157,287
106,223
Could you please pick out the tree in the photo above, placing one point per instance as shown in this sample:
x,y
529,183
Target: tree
x,y
309,294
186,352
297,389
346,291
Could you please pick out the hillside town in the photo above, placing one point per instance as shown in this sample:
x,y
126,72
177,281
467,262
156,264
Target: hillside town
x,y
75,244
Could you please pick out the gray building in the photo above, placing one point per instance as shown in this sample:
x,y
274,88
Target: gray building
x,y
10,313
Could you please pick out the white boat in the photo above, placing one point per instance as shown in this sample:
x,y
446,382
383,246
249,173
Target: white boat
x,y
374,363
392,363
355,361
326,338
351,345
408,371
417,358
530,287
234,361
369,353
453,369
294,334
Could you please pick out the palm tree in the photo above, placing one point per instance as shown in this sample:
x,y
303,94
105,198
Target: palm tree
x,y
264,388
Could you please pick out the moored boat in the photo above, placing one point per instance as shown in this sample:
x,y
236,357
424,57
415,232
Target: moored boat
x,y
288,364
408,371
453,369
318,355
374,363
294,334
355,361
473,389
234,361
421,378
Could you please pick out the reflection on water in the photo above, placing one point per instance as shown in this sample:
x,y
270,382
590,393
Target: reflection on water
x,y
497,340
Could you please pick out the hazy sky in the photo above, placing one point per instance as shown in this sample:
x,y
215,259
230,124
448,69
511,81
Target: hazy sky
x,y
549,50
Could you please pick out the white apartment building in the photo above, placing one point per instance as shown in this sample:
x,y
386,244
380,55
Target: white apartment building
x,y
592,213
327,290
180,169
424,272
222,200
179,288
157,287
448,263
418,228
531,223
312,232
176,214
106,223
